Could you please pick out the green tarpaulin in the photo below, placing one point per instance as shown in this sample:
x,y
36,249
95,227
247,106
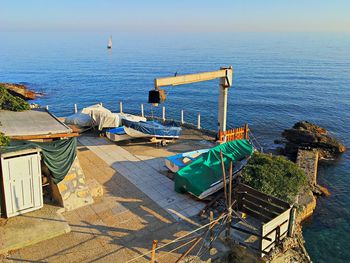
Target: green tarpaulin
x,y
198,176
57,155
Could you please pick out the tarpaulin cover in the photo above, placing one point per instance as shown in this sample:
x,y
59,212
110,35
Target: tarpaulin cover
x,y
57,155
154,128
199,175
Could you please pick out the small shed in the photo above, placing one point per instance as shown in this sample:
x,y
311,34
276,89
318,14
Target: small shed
x,y
36,124
21,184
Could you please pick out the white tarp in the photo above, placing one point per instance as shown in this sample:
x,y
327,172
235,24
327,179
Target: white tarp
x,y
102,117
97,115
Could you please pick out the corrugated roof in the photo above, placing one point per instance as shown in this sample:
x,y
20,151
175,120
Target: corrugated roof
x,y
31,122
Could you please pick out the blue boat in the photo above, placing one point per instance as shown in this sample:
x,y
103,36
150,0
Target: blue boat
x,y
175,162
117,134
151,129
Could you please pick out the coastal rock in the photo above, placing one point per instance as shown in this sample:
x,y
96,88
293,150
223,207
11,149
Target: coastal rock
x,y
20,90
307,135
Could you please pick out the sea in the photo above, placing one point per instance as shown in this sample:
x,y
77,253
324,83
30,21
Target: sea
x,y
279,79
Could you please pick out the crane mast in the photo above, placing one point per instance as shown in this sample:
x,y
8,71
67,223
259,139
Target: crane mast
x,y
225,82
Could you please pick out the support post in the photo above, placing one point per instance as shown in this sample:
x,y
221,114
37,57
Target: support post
x,y
75,108
121,107
163,115
211,219
225,83
199,121
142,111
182,116
292,222
47,107
154,245
223,176
228,229
246,129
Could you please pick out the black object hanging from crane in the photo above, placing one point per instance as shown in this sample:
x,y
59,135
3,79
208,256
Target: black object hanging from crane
x,y
156,96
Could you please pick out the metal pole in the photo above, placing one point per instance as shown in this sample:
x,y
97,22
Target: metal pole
x,y
154,245
199,121
75,108
47,107
121,107
163,113
182,116
142,111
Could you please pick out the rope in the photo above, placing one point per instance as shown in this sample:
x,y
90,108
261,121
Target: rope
x,y
256,141
177,239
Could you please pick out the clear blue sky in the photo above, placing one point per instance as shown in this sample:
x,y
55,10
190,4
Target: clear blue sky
x,y
175,15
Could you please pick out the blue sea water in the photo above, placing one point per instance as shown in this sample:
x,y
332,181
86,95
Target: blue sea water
x,y
278,79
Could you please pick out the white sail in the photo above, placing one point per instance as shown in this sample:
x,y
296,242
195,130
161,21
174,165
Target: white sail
x,y
109,42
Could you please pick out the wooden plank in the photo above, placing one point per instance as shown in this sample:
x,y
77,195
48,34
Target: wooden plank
x,y
261,217
275,209
259,209
45,136
249,232
268,198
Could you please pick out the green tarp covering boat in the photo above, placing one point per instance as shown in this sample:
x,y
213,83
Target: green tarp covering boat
x,y
205,173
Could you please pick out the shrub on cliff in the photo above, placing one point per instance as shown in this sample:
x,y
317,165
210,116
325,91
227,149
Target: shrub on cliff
x,y
274,175
4,140
10,102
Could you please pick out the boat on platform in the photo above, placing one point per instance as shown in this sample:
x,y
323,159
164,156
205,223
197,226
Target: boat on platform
x,y
203,176
152,129
117,134
175,162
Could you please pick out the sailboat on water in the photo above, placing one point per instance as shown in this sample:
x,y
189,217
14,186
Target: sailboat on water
x,y
109,45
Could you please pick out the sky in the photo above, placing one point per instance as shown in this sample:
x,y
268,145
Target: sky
x,y
175,15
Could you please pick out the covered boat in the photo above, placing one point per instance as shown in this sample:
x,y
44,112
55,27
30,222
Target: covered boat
x,y
175,162
151,129
203,176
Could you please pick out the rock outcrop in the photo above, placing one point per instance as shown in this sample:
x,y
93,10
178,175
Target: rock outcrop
x,y
310,136
20,90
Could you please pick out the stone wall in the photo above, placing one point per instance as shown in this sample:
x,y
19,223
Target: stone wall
x,y
72,192
308,161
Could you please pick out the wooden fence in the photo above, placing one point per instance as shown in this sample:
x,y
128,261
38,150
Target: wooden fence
x,y
234,134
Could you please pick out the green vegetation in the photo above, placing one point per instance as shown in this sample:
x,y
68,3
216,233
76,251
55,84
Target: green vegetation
x,y
10,102
274,175
4,140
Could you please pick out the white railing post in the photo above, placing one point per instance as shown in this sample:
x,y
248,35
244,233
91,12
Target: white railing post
x,y
47,107
75,108
142,111
163,113
182,116
121,107
199,121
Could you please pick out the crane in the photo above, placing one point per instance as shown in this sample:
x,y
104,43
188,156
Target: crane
x,y
224,75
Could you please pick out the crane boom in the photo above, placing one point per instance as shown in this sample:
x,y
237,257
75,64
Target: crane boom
x,y
224,74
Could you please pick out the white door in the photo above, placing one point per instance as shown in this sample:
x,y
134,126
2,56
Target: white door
x,y
21,179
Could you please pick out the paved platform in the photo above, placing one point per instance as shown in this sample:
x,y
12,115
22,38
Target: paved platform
x,y
118,227
145,173
31,228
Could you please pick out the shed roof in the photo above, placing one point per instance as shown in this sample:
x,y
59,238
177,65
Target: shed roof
x,y
34,122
